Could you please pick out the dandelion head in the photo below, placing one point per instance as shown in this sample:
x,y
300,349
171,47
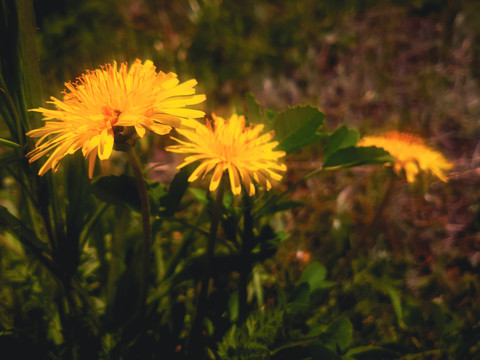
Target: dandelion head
x,y
247,154
109,108
412,155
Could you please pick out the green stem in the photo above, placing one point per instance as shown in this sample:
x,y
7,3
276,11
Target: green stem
x,y
145,208
246,261
121,215
195,345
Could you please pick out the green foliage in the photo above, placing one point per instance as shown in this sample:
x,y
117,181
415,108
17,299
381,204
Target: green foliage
x,y
252,340
340,139
314,276
341,151
316,268
358,156
276,333
296,127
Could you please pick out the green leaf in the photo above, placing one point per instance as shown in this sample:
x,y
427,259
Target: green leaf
x,y
92,221
200,195
257,286
77,195
319,351
358,156
28,59
26,235
117,190
156,193
300,299
314,275
9,157
19,63
371,352
9,144
296,127
396,302
340,139
233,307
338,334
275,207
254,110
178,187
8,110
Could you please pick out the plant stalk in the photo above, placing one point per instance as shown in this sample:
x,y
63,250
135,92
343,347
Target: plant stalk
x,y
246,260
145,209
196,331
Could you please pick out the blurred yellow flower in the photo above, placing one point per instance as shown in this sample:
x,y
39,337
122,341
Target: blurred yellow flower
x,y
111,105
230,145
411,153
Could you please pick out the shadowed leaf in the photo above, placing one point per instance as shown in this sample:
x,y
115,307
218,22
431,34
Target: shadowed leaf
x,y
358,156
296,127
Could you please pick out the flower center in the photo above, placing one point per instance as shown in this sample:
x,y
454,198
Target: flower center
x,y
124,137
110,116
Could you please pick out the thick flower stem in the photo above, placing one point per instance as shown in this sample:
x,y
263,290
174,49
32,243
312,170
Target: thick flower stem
x,y
246,261
145,209
196,340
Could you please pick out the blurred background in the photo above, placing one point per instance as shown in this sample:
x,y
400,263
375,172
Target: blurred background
x,y
374,65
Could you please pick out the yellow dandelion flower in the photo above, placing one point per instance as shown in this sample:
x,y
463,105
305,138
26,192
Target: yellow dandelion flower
x,y
411,153
110,106
230,145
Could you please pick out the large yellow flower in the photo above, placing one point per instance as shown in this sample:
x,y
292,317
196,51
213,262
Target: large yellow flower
x,y
230,145
411,153
108,106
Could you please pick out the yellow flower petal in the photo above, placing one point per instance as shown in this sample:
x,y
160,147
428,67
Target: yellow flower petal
x,y
217,176
411,154
106,144
108,97
232,146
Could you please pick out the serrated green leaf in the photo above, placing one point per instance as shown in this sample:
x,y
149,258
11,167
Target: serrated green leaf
x,y
269,114
358,156
296,127
340,139
254,110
